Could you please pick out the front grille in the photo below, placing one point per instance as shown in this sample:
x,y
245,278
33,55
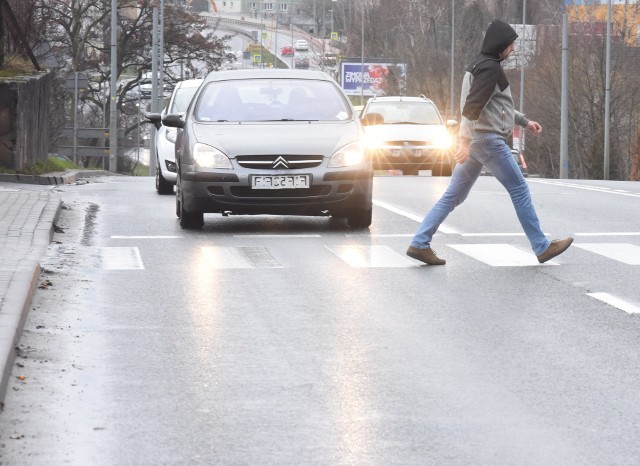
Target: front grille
x,y
244,191
279,162
406,143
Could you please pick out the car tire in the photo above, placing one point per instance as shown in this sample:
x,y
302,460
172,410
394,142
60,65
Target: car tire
x,y
162,185
188,220
360,218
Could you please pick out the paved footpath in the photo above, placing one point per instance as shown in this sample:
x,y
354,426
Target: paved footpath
x,y
28,212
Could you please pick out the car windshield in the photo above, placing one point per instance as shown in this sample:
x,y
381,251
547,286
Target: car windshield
x,y
182,99
405,112
248,100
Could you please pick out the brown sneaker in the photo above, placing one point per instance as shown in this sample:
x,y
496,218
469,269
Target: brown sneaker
x,y
428,256
557,247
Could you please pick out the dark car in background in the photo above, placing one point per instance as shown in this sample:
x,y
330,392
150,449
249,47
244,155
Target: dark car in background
x,y
408,134
280,142
301,62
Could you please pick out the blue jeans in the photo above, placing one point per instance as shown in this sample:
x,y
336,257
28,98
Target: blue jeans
x,y
490,150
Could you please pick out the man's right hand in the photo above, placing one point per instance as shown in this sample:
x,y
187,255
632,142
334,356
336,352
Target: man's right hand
x,y
462,154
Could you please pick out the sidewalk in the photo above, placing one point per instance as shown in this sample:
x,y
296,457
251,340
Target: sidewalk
x,y
27,217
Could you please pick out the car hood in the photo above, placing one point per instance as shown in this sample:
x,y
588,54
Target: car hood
x,y
305,138
404,132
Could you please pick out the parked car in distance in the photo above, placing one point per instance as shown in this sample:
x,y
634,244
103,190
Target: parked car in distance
x,y
287,51
409,134
271,141
301,44
166,137
301,62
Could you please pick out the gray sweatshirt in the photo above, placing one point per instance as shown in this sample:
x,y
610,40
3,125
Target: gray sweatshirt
x,y
485,100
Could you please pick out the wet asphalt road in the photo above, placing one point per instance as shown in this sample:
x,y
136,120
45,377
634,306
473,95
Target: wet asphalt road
x,y
289,340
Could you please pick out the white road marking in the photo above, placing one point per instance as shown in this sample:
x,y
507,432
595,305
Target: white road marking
x,y
492,234
498,255
611,233
370,256
616,302
121,259
277,236
144,237
585,187
443,228
623,252
220,257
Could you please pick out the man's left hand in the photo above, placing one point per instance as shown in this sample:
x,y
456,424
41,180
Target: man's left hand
x,y
534,127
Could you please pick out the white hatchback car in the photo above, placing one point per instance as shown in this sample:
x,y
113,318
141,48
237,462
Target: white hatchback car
x,y
301,44
166,137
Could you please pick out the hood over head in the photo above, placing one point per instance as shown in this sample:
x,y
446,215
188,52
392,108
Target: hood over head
x,y
498,37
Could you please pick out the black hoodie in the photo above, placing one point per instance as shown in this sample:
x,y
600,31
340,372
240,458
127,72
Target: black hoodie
x,y
486,100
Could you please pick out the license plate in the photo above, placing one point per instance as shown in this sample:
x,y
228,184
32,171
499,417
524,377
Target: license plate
x,y
280,181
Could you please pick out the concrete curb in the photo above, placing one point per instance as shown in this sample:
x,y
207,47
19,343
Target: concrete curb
x,y
57,178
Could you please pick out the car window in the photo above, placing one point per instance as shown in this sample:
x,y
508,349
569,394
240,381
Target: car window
x,y
182,99
396,112
271,100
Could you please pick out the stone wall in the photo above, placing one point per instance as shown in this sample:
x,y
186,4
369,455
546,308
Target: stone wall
x,y
24,119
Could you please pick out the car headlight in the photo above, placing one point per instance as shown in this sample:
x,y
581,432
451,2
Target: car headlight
x,y
373,140
348,156
171,134
210,157
442,140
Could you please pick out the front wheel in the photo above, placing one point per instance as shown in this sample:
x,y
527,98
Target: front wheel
x,y
360,218
162,185
188,220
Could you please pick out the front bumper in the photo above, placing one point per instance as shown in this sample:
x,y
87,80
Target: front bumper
x,y
396,157
225,191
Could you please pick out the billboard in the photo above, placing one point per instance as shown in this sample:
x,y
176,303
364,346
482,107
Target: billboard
x,y
372,78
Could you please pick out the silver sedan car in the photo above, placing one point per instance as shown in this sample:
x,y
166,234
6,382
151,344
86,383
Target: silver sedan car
x,y
280,142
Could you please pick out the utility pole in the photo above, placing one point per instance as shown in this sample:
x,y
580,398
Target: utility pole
x,y
113,91
521,131
607,95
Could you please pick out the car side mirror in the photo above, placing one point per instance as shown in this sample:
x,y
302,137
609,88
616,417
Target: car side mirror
x,y
154,118
173,120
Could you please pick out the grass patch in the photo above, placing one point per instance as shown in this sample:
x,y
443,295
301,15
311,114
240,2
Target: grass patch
x,y
51,165
15,65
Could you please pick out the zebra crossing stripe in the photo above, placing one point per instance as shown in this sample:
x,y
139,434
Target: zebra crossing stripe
x,y
243,257
616,302
498,255
370,256
622,252
117,258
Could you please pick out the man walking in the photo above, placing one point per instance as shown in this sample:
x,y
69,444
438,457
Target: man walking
x,y
488,117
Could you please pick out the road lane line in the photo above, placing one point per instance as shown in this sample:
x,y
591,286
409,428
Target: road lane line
x,y
116,258
499,255
443,228
587,188
611,233
144,237
258,235
370,256
622,252
616,302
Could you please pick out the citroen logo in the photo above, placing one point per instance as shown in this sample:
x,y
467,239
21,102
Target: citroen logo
x,y
280,162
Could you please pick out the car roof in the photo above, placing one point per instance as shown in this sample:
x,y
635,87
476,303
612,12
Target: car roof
x,y
399,98
189,83
267,74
